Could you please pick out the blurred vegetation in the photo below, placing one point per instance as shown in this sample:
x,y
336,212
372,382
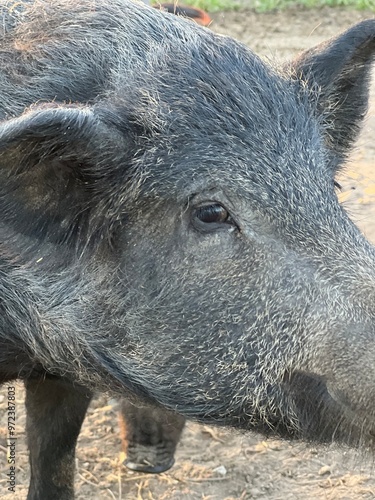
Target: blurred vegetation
x,y
267,5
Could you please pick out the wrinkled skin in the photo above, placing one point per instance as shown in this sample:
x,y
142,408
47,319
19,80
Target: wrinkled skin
x,y
172,203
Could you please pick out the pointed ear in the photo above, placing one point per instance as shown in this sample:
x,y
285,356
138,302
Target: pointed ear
x,y
339,70
55,160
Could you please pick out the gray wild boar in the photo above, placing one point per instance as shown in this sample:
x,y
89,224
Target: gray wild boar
x,y
170,231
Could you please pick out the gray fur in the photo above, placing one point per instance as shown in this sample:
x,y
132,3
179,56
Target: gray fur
x,y
118,123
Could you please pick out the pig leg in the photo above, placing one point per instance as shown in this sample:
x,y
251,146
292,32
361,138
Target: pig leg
x,y
55,412
149,437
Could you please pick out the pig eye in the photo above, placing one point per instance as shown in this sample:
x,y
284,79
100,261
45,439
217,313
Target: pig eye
x,y
212,213
211,216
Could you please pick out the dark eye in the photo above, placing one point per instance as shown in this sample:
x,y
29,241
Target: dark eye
x,y
212,214
212,217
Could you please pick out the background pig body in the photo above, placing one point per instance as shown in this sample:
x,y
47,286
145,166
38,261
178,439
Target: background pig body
x,y
174,198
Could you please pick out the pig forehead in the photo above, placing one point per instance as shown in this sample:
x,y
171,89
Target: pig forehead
x,y
211,85
221,101
252,118
260,174
242,137
278,153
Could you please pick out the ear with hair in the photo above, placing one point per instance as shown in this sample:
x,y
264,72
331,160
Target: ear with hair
x,y
54,160
339,72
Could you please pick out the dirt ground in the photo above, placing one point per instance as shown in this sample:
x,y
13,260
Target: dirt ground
x,y
215,464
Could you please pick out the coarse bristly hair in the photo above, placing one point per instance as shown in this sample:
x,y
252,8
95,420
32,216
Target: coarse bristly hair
x,y
171,203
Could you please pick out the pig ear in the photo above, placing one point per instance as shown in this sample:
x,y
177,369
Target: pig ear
x,y
53,162
340,71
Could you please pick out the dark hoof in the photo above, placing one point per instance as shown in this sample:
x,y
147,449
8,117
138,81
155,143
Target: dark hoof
x,y
149,468
149,437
